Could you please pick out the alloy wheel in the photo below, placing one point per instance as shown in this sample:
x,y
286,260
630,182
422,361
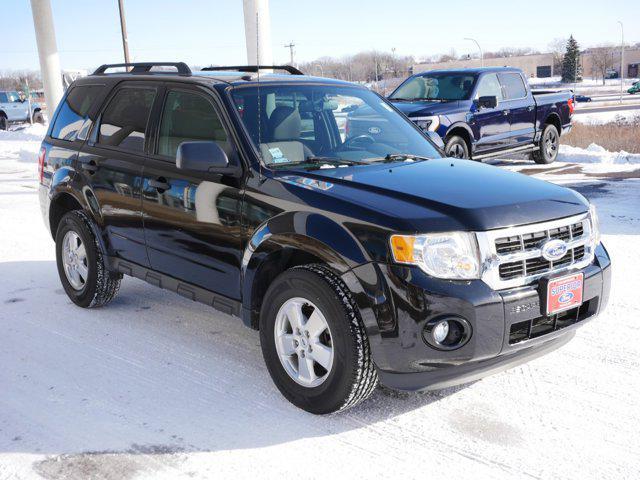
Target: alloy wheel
x,y
74,260
303,342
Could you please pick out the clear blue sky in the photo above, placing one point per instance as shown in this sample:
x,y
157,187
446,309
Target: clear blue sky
x,y
201,32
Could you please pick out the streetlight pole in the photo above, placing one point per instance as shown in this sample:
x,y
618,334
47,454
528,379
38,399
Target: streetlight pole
x,y
621,59
290,47
478,45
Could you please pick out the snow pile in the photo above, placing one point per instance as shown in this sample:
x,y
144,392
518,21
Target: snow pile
x,y
596,154
22,144
601,118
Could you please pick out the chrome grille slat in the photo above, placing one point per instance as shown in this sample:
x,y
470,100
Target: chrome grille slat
x,y
514,255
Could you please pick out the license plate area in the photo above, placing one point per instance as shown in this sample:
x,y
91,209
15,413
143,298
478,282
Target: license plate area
x,y
563,293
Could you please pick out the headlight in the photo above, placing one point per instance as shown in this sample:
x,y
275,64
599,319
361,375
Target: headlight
x,y
595,224
427,123
452,255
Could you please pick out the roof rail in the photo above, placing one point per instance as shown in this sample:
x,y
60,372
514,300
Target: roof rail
x,y
145,67
255,68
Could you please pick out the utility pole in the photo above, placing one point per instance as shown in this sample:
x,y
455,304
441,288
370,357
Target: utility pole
x,y
123,28
621,59
290,46
47,52
478,45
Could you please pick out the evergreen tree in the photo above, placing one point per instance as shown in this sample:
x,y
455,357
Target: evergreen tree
x,y
571,69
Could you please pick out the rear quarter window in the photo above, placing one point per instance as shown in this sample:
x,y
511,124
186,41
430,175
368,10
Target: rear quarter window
x,y
74,111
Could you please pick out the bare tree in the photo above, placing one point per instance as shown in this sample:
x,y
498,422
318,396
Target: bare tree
x,y
557,48
602,59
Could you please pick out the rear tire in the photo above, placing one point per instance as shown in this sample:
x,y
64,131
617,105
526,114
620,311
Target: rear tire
x,y
81,265
38,118
456,147
350,376
547,146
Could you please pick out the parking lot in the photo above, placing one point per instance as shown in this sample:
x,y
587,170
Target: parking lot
x,y
156,386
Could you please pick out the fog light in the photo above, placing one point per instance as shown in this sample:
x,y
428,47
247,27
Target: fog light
x,y
440,331
447,333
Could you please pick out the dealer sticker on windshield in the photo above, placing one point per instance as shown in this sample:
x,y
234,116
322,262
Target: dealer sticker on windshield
x,y
564,293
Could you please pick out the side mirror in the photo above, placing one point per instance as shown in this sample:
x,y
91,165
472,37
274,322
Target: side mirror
x,y
435,138
203,157
490,101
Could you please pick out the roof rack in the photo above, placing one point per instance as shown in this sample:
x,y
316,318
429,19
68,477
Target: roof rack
x,y
145,67
254,68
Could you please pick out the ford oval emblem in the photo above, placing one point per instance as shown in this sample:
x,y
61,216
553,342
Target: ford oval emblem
x,y
374,130
554,250
565,297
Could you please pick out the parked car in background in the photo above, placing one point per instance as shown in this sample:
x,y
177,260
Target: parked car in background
x,y
582,98
635,88
359,257
486,112
14,108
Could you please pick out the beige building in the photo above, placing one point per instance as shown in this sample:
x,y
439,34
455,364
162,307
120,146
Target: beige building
x,y
542,65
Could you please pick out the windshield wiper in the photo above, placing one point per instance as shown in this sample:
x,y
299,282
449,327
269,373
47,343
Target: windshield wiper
x,y
332,160
316,161
397,157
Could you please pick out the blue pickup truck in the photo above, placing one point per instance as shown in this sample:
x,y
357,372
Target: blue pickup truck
x,y
486,112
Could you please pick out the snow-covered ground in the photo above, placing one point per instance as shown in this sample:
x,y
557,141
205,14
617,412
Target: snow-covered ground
x,y
600,118
154,386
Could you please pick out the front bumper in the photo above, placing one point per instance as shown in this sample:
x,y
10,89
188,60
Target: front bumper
x,y
404,299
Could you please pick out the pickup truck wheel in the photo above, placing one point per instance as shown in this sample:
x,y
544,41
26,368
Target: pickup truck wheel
x,y
81,266
547,146
313,341
456,147
4,124
38,117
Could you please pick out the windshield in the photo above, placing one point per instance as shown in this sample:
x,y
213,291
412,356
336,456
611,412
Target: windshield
x,y
446,86
327,126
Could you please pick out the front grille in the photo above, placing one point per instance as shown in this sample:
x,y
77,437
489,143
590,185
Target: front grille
x,y
515,254
537,327
529,242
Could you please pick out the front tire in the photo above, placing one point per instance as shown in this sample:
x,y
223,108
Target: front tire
x,y
314,342
4,123
81,265
456,147
547,146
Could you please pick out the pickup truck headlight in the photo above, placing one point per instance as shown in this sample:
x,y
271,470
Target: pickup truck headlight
x,y
595,224
451,255
427,123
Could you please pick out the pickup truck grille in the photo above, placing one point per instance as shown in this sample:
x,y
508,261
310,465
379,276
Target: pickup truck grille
x,y
515,254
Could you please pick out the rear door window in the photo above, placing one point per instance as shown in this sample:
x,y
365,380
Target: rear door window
x,y
513,86
74,111
124,121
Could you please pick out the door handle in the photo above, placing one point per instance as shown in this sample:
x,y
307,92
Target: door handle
x,y
89,166
506,112
530,108
160,184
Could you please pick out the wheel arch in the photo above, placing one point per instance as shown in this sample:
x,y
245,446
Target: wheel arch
x,y
289,240
462,130
553,119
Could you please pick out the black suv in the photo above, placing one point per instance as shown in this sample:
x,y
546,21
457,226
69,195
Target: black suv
x,y
359,257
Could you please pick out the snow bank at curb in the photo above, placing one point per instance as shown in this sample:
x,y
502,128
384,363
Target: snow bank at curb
x,y
596,154
22,144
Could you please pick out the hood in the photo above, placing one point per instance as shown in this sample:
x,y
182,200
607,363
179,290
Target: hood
x,y
439,195
425,109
